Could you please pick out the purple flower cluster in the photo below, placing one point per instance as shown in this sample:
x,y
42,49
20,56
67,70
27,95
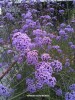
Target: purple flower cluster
x,y
69,29
57,65
45,57
28,15
18,76
67,63
32,57
72,87
9,16
70,96
31,87
39,33
43,74
58,92
21,41
4,91
61,12
46,41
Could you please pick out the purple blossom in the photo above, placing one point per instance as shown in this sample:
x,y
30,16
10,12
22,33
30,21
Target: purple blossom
x,y
49,24
42,76
45,57
72,87
21,41
51,81
52,10
58,92
54,18
39,85
73,46
58,38
67,63
69,30
70,96
47,17
59,50
44,66
61,12
20,59
18,76
32,57
39,32
63,25
56,47
31,87
46,41
1,65
9,16
4,91
29,81
28,15
74,3
9,51
57,65
62,33
70,43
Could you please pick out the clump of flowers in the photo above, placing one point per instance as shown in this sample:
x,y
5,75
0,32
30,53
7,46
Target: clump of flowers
x,y
4,91
32,57
21,41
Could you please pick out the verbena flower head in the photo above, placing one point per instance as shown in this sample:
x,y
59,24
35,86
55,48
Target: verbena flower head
x,y
29,81
45,57
9,16
70,96
57,65
69,30
72,87
9,51
62,33
21,41
51,81
18,76
51,9
61,12
72,46
31,87
49,24
32,57
56,47
58,92
42,76
70,43
63,25
44,66
46,41
28,15
4,91
58,38
39,32
38,41
39,85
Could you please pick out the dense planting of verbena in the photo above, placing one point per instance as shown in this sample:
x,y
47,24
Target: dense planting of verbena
x,y
41,42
